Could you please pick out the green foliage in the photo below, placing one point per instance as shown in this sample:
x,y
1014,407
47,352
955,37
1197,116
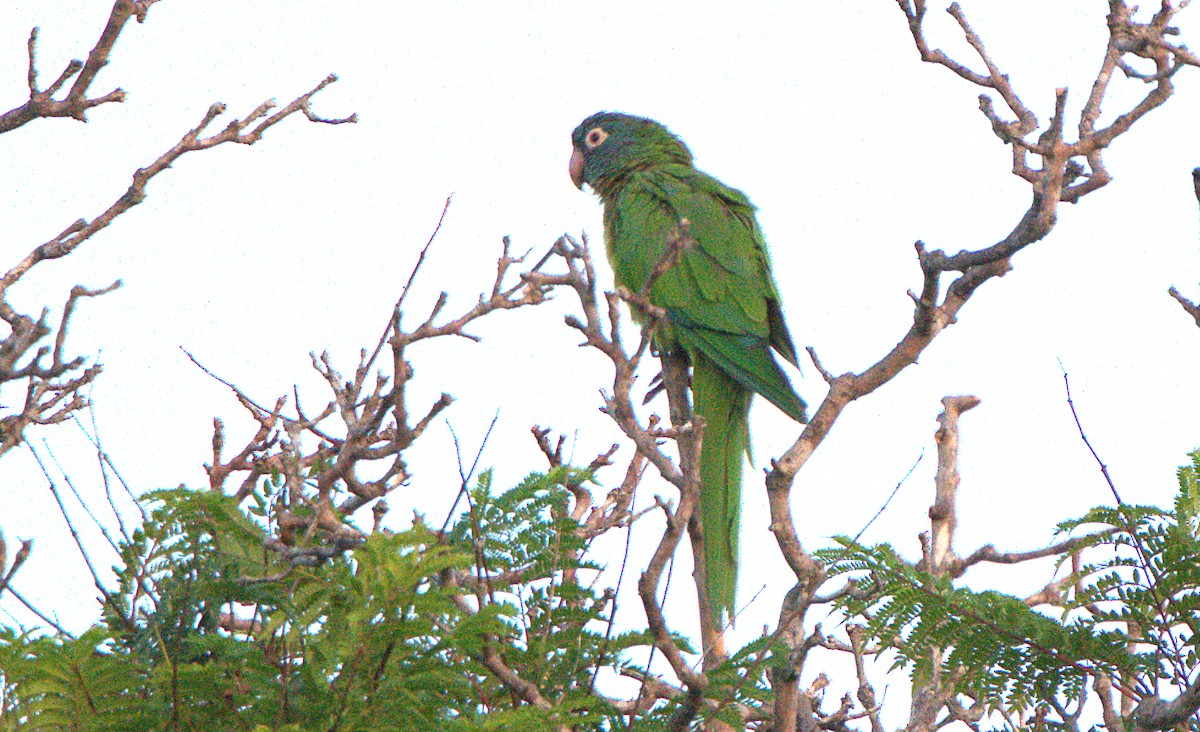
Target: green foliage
x,y
1005,655
1131,612
391,636
556,629
196,553
526,527
405,631
1149,579
76,683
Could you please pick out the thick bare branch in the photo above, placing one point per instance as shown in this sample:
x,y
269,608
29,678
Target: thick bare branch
x,y
1188,306
1155,714
76,103
989,553
943,514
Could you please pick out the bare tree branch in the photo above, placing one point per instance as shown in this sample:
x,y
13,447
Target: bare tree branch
x,y
76,103
943,514
936,693
54,382
989,553
1155,714
1188,306
1067,172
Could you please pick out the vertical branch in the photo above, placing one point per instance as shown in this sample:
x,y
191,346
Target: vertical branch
x,y
930,697
943,514
688,436
685,431
866,692
675,380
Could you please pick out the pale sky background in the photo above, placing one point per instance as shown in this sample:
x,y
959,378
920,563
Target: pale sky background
x,y
250,257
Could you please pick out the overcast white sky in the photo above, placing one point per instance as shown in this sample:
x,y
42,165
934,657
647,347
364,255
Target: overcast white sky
x,y
852,149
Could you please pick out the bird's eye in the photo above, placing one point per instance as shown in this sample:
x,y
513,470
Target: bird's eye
x,y
595,136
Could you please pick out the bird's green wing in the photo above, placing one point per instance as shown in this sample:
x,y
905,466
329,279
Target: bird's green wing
x,y
720,298
723,309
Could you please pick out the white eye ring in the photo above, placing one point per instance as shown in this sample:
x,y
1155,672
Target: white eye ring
x,y
595,137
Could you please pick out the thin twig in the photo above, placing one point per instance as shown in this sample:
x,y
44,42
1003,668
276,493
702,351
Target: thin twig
x,y
394,320
1083,435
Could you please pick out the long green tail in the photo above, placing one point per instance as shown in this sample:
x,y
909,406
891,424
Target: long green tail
x,y
725,405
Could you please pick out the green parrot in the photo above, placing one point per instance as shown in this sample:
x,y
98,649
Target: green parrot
x,y
721,302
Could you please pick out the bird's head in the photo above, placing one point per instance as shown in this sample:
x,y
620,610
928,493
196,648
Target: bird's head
x,y
609,146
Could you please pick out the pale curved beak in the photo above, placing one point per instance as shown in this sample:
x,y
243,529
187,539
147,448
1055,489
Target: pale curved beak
x,y
576,168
